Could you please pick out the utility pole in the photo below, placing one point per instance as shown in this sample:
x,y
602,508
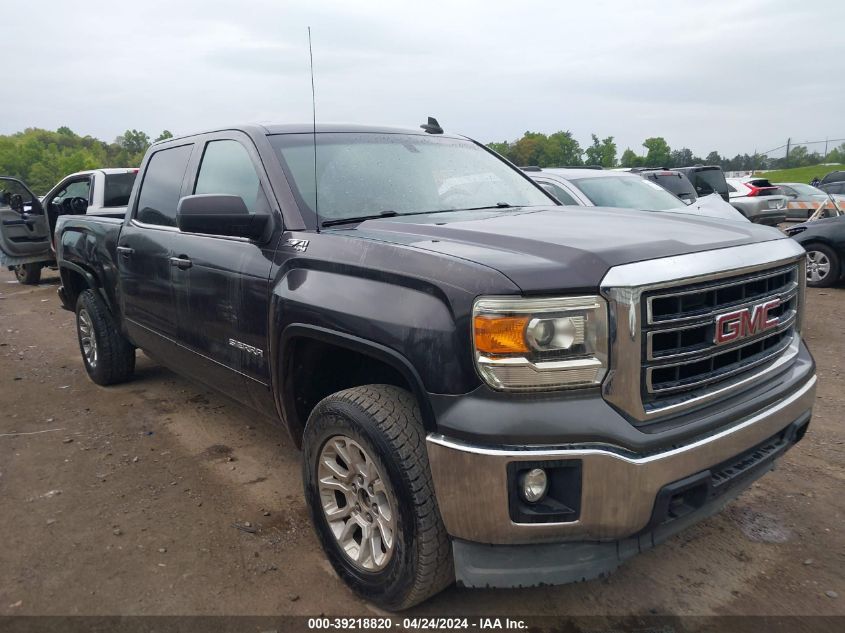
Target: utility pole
x,y
788,141
825,148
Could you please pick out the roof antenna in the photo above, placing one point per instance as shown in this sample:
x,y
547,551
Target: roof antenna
x,y
432,127
314,129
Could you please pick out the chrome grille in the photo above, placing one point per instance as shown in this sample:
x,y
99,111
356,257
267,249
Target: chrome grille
x,y
664,359
680,354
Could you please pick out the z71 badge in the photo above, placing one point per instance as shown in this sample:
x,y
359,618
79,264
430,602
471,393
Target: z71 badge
x,y
297,245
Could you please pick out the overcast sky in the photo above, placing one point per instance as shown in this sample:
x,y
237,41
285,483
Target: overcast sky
x,y
734,76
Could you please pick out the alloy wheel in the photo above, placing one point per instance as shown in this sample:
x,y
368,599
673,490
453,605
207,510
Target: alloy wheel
x,y
87,338
358,503
818,266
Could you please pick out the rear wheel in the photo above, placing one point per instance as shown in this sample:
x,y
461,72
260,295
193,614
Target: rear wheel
x,y
822,266
369,490
108,357
29,274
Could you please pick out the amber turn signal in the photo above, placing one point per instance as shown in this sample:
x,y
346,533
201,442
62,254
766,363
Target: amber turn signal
x,y
500,335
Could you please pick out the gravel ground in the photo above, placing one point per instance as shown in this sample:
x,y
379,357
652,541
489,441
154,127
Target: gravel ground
x,y
160,497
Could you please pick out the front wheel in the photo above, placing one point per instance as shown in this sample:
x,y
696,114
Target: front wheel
x,y
28,274
369,489
822,266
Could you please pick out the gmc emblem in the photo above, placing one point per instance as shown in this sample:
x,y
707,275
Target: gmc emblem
x,y
739,324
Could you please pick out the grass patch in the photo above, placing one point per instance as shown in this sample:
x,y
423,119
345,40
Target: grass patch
x,y
800,174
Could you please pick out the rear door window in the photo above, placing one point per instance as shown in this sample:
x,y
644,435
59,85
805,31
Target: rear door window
x,y
162,186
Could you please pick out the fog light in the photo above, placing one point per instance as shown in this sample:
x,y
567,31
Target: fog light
x,y
533,485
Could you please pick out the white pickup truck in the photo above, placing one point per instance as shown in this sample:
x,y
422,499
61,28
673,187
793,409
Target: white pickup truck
x,y
26,233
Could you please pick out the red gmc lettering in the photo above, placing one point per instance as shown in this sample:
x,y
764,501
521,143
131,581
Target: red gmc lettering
x,y
739,324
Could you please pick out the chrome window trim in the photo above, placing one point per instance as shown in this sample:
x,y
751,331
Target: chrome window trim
x,y
175,229
623,286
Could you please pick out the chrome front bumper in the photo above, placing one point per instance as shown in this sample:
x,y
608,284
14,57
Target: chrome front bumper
x,y
618,491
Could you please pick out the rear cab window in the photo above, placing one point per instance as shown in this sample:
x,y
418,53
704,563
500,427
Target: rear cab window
x,y
117,188
162,186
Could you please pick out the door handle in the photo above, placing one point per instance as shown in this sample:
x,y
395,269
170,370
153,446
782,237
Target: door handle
x,y
182,263
125,250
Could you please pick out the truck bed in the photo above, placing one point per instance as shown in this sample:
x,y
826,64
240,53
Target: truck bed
x,y
86,245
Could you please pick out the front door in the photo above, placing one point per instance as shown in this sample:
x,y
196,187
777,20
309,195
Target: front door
x,y
24,230
145,252
222,283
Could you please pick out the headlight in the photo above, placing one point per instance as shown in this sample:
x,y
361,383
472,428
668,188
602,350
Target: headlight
x,y
534,344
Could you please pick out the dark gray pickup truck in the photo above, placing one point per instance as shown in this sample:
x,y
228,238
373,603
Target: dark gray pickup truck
x,y
487,387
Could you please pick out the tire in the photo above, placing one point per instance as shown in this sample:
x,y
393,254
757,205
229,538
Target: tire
x,y
384,422
823,266
108,357
28,274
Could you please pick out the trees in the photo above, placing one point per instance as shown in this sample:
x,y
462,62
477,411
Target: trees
x,y
535,148
41,157
630,159
560,149
601,152
836,155
659,152
682,158
133,141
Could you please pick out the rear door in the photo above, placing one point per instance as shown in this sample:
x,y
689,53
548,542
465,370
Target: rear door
x,y
222,283
145,249
24,230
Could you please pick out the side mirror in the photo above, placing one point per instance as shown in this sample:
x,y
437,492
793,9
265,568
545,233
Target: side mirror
x,y
219,214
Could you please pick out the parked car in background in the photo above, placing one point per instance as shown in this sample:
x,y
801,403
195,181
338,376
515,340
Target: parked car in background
x,y
24,232
757,199
670,179
706,179
834,176
803,200
92,192
824,241
833,187
627,190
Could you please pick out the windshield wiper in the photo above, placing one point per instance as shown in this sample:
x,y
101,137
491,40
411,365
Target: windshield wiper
x,y
393,214
360,218
498,205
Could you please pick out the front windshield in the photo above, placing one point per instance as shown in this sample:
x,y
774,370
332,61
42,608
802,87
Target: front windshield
x,y
368,174
629,192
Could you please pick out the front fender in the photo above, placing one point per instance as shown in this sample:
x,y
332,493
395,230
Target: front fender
x,y
408,317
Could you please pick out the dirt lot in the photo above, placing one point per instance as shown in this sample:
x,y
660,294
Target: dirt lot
x,y
128,500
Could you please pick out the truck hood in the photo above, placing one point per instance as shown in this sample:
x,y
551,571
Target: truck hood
x,y
560,248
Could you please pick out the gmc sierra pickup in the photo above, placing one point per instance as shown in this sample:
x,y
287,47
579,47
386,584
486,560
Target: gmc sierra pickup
x,y
486,387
